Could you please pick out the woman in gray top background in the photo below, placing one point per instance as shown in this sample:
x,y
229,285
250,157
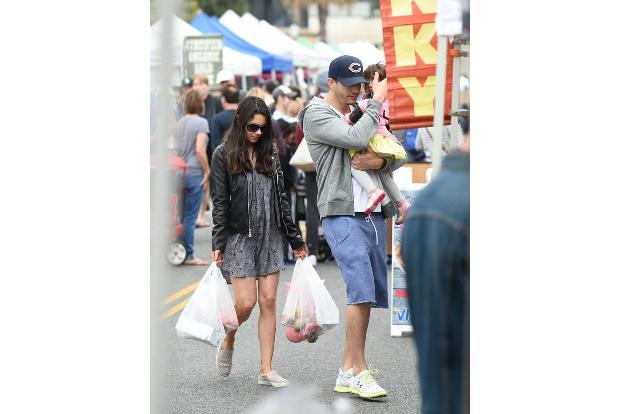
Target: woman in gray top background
x,y
191,137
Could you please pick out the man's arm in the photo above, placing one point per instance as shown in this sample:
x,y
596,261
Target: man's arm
x,y
323,126
369,160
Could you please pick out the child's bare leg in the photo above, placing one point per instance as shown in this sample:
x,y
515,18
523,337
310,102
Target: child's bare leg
x,y
364,179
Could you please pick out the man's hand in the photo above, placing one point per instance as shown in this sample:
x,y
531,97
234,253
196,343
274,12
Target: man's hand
x,y
380,89
367,160
216,256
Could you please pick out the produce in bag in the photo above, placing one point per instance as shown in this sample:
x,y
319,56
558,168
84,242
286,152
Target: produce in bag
x,y
309,309
210,313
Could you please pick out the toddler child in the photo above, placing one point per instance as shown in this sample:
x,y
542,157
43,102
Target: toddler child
x,y
385,145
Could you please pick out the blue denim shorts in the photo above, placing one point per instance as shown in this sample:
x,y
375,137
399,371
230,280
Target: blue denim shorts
x,y
359,247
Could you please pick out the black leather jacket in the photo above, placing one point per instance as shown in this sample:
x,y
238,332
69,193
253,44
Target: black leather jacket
x,y
231,204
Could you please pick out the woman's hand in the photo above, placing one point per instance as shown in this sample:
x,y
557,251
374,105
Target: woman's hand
x,y
205,180
301,253
216,256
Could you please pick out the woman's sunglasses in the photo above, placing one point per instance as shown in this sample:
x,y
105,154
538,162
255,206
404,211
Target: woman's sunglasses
x,y
255,128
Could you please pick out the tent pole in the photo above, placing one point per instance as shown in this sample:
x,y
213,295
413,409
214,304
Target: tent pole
x,y
438,116
274,74
244,80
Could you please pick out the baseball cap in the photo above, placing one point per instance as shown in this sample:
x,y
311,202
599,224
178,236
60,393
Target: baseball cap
x,y
347,70
322,81
224,75
283,90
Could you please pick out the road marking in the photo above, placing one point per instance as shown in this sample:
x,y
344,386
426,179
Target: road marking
x,y
175,309
180,293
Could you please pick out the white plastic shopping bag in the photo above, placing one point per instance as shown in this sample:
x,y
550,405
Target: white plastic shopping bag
x,y
210,313
309,309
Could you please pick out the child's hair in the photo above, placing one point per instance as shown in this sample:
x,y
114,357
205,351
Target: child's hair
x,y
369,72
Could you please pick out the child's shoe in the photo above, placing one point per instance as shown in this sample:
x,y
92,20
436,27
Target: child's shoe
x,y
375,197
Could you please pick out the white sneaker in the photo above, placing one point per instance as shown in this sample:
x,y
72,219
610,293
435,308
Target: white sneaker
x,y
312,259
365,386
272,378
343,380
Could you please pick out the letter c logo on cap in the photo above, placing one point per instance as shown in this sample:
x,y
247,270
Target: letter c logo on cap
x,y
355,67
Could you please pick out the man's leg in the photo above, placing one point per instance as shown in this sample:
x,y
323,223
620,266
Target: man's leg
x,y
357,318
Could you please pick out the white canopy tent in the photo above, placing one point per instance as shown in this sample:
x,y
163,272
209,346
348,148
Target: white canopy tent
x,y
247,31
265,36
364,50
236,62
302,55
327,53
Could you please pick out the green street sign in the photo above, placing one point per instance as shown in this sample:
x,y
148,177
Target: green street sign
x,y
203,54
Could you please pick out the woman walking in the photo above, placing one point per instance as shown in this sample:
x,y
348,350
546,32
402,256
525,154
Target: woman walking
x,y
191,138
251,212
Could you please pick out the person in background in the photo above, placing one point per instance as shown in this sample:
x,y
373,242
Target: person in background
x,y
294,109
424,140
186,85
436,252
268,86
250,215
283,124
257,91
191,137
225,78
221,123
297,91
212,107
283,96
357,240
212,104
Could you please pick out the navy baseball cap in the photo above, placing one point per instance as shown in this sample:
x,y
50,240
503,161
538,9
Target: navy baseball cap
x,y
347,70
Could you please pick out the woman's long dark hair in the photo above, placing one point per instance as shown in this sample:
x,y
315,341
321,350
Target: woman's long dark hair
x,y
235,138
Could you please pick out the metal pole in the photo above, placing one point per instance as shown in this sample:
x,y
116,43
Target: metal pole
x,y
160,211
273,74
438,116
244,80
455,98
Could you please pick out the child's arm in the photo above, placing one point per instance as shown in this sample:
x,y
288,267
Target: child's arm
x,y
353,117
359,108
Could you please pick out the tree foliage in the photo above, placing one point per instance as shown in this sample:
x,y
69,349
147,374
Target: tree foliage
x,y
188,8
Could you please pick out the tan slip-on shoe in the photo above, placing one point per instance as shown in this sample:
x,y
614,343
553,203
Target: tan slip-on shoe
x,y
272,378
224,361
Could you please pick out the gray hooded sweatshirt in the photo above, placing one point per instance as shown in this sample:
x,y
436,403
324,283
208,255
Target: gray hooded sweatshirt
x,y
329,140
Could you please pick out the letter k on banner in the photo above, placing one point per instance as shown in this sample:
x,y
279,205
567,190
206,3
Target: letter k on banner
x,y
411,49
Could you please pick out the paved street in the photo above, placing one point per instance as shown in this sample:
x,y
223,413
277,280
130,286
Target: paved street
x,y
195,387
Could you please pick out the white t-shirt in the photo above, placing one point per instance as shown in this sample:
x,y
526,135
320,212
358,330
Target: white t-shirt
x,y
361,197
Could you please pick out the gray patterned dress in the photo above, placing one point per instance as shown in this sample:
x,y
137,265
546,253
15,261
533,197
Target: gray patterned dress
x,y
262,253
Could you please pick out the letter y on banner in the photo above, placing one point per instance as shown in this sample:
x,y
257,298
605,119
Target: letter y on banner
x,y
411,49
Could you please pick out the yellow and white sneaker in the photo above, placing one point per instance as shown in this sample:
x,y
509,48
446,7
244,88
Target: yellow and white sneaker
x,y
343,380
365,386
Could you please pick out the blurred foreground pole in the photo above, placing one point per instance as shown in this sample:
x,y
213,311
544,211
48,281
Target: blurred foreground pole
x,y
160,210
455,96
438,115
